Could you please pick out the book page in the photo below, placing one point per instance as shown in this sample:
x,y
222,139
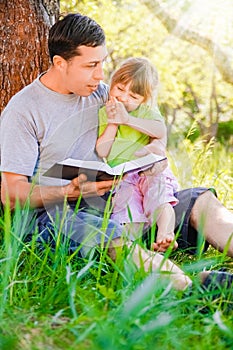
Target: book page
x,y
88,164
99,171
140,163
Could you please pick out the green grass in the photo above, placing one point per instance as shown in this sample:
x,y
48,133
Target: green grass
x,y
53,301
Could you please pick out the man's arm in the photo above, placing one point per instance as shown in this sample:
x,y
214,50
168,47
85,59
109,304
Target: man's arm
x,y
16,187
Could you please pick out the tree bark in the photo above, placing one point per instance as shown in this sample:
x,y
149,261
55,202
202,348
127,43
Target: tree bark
x,y
24,26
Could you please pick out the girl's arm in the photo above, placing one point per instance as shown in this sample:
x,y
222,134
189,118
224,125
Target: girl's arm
x,y
107,137
117,114
153,128
105,140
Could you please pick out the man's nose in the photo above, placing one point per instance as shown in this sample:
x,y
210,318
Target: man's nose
x,y
99,72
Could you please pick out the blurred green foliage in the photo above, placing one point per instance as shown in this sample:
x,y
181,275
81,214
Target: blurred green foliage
x,y
191,88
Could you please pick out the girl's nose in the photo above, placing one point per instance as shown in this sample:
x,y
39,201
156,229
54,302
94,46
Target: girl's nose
x,y
123,97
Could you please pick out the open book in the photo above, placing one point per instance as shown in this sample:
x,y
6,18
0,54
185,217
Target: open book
x,y
99,171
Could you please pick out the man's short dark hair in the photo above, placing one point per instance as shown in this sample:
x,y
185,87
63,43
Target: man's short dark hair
x,y
72,31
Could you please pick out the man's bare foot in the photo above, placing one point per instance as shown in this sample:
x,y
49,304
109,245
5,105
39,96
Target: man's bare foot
x,y
163,245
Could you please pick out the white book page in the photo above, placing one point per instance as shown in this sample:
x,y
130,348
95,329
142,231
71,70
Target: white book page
x,y
87,164
139,163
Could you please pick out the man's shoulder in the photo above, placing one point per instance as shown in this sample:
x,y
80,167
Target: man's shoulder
x,y
103,86
101,93
22,96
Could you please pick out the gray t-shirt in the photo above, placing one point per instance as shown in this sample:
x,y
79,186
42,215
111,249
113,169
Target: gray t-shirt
x,y
40,127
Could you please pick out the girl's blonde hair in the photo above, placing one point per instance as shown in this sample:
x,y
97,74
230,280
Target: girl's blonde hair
x,y
142,76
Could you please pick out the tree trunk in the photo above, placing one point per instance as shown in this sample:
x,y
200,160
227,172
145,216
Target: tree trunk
x,y
24,26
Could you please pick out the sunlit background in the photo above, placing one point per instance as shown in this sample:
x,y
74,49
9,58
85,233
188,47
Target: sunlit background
x,y
211,17
190,42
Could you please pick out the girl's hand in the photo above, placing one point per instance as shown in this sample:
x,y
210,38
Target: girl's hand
x,y
117,114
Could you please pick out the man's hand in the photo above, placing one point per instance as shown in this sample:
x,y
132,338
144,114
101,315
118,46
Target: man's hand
x,y
158,167
80,186
155,146
16,187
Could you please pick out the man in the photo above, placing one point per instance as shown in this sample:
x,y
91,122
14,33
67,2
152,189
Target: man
x,y
54,118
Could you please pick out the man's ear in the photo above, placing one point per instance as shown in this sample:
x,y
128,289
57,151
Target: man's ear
x,y
59,62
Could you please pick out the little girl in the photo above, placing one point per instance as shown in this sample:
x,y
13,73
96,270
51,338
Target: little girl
x,y
128,122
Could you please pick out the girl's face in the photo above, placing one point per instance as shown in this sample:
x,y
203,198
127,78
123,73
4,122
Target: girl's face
x,y
123,94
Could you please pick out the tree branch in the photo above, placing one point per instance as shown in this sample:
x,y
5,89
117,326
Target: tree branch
x,y
222,57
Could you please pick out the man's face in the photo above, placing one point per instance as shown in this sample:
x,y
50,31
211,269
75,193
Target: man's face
x,y
82,74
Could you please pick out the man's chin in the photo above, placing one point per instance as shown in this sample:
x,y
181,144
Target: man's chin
x,y
93,88
88,91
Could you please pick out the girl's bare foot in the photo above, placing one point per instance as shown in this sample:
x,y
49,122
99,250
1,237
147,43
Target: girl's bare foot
x,y
161,245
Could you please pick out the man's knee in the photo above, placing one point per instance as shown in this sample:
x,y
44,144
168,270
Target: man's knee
x,y
206,198
203,203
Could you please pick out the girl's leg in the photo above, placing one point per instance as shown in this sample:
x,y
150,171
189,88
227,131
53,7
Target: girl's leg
x,y
127,204
134,229
165,221
158,194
